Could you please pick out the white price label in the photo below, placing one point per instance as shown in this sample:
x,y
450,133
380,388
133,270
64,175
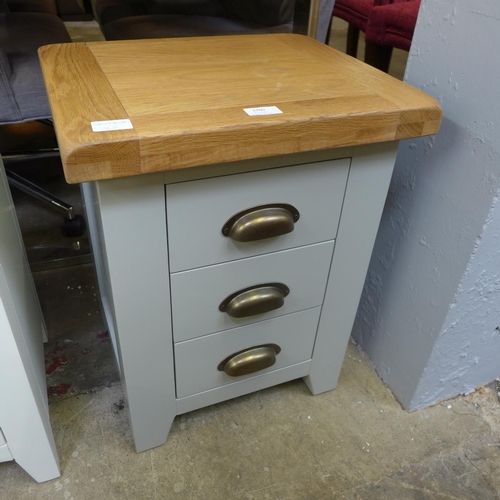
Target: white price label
x,y
266,110
105,125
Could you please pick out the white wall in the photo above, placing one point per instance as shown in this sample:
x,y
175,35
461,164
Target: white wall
x,y
431,305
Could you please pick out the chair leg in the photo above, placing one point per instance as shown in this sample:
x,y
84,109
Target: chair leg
x,y
378,56
73,225
329,34
13,157
352,40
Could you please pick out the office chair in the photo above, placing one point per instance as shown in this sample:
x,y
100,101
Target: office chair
x,y
23,97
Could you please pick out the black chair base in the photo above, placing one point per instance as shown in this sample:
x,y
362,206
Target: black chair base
x,y
73,224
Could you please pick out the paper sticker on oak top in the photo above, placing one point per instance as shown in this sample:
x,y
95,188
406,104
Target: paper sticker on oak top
x,y
105,125
267,110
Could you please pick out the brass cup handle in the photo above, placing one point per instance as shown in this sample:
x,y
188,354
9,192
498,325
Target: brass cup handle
x,y
250,360
263,221
254,300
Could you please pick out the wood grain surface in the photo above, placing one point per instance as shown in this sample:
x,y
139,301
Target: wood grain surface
x,y
185,98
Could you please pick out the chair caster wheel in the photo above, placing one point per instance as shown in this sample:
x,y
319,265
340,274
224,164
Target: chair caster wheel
x,y
74,227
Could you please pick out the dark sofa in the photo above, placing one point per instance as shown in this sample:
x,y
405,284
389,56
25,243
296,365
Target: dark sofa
x,y
130,19
68,10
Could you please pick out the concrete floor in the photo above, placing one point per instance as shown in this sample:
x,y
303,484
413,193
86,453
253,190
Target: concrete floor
x,y
282,443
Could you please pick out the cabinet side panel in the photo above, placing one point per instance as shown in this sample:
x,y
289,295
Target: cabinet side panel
x,y
134,233
367,186
91,202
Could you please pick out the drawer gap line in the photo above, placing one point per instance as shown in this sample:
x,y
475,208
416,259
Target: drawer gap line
x,y
253,256
248,324
170,292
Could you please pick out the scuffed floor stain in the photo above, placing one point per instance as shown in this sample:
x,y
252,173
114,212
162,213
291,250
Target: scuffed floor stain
x,y
104,337
59,390
79,364
119,406
58,348
55,363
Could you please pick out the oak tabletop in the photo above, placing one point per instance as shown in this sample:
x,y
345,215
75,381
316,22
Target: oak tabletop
x,y
140,106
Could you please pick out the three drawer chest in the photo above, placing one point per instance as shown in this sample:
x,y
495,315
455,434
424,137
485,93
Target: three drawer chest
x,y
233,188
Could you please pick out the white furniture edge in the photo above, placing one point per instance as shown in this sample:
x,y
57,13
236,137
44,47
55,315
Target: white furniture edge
x,y
24,415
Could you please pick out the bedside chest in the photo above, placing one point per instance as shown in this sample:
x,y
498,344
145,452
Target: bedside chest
x,y
231,242
262,295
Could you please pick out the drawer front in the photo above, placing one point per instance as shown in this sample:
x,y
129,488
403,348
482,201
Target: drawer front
x,y
198,293
197,360
198,210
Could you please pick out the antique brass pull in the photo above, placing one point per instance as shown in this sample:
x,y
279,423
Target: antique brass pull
x,y
250,360
264,221
256,299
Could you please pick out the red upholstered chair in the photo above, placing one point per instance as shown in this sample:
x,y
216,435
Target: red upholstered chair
x,y
356,13
391,24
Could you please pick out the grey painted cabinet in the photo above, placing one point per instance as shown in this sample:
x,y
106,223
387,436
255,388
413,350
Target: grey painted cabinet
x,y
198,317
